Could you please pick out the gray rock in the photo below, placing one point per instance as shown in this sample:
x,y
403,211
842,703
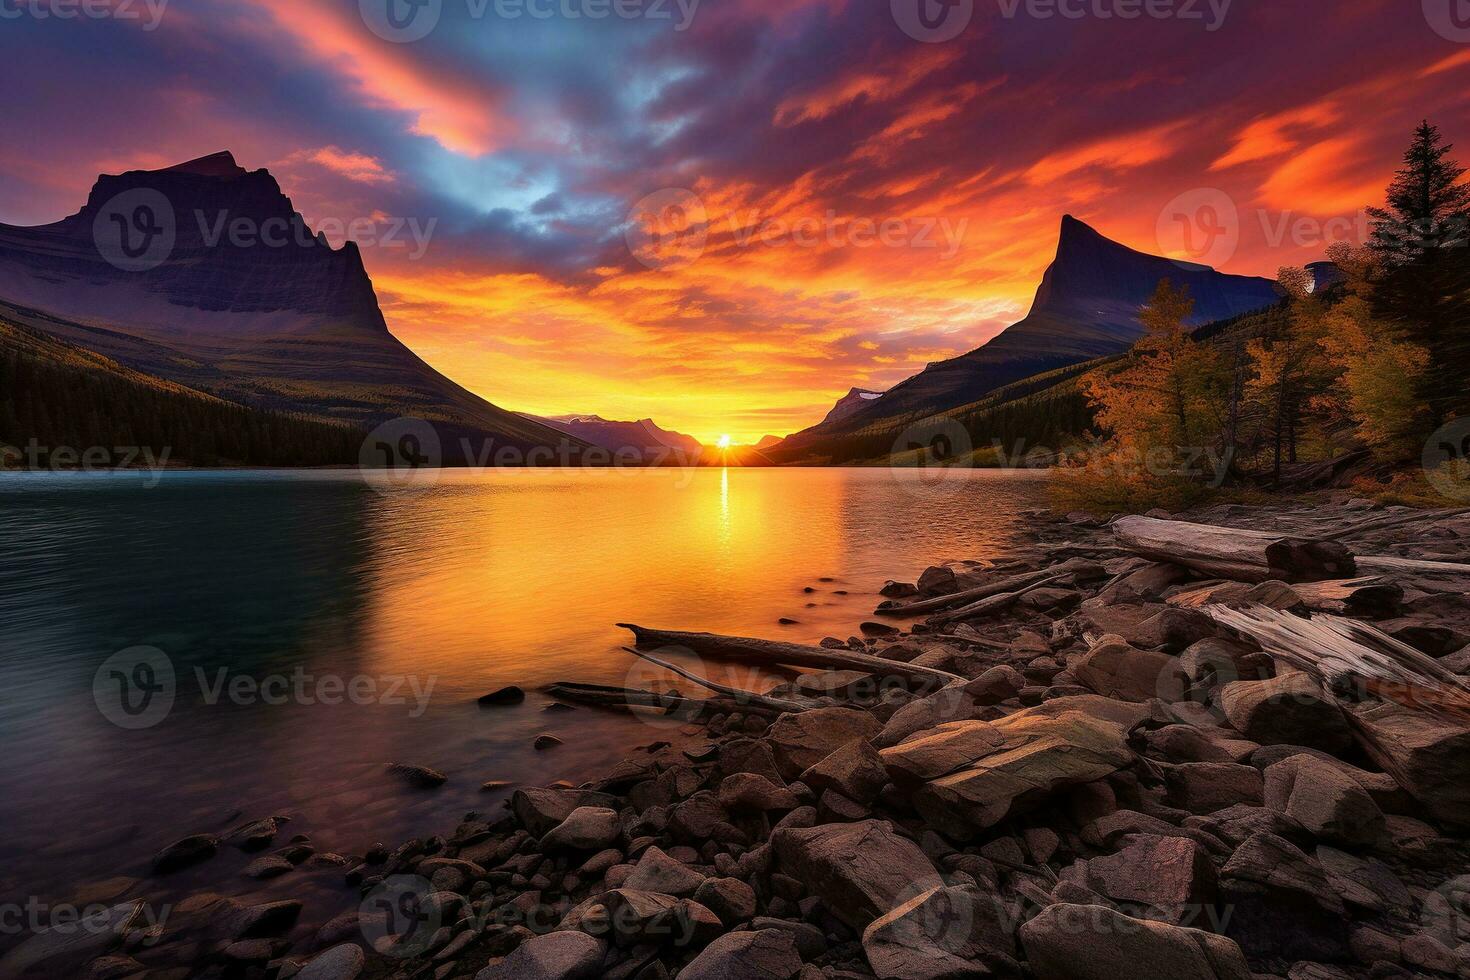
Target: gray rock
x,y
1288,710
855,770
419,777
587,828
657,872
1324,800
1088,942
769,954
749,793
554,956
859,870
342,962
800,741
942,934
729,898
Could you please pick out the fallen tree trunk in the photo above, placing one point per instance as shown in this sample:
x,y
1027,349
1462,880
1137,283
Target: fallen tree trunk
x,y
1371,597
994,604
1235,553
671,704
1428,576
1011,584
771,652
745,698
1345,655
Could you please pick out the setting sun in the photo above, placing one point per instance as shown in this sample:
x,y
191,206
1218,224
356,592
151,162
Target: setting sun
x,y
724,442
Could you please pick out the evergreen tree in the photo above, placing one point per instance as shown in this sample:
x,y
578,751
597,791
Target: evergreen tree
x,y
1428,205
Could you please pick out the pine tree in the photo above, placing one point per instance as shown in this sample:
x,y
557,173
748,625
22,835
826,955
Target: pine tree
x,y
1428,205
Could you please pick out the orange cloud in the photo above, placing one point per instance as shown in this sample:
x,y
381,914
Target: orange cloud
x,y
441,105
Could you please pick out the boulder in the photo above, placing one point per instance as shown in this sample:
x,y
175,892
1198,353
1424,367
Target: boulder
x,y
1089,942
419,777
801,740
1278,865
859,870
950,704
541,810
1288,710
1000,683
746,792
657,872
1428,755
587,828
1205,787
554,956
1039,755
344,962
185,853
769,954
729,898
1170,875
1114,669
940,934
504,696
837,684
1325,800
855,770
941,750
1364,882
62,949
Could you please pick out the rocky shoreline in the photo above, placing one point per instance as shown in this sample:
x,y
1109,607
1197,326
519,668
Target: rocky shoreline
x,y
1099,756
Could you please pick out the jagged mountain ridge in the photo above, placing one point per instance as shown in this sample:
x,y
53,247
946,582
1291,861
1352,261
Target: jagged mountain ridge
x,y
643,436
292,325
1086,307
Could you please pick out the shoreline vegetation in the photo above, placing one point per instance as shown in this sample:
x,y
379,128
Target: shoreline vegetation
x,y
1215,744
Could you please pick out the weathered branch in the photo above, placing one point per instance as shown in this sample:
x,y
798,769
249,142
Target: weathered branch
x,y
771,652
994,604
735,693
902,609
1235,553
1343,653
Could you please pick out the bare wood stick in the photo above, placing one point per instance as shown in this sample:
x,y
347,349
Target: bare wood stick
x,y
1235,553
1397,520
744,697
1343,652
994,604
1371,596
791,654
1427,575
1075,566
619,697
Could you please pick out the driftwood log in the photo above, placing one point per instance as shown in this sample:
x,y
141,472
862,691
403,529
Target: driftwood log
x,y
675,705
1370,597
744,698
773,653
1235,553
994,604
1009,584
1428,576
1345,655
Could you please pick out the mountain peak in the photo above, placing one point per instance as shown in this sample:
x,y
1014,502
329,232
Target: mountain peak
x,y
221,164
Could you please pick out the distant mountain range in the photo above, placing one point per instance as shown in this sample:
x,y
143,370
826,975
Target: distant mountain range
x,y
1086,307
643,437
147,275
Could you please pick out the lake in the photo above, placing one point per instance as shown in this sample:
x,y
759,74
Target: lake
x,y
297,631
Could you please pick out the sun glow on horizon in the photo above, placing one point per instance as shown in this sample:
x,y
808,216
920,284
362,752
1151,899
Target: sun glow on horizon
x,y
725,442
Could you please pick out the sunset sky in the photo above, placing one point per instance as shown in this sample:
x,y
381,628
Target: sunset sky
x,y
798,129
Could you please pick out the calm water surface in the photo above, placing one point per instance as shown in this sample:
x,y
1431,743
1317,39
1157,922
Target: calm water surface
x,y
454,590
